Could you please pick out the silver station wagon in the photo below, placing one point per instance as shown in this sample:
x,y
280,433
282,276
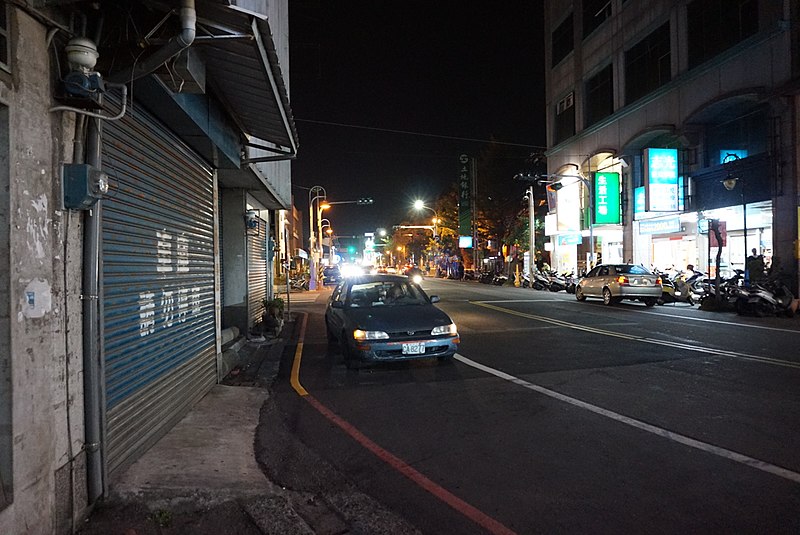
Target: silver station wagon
x,y
615,282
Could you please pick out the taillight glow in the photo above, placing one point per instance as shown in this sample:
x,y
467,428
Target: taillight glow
x,y
622,279
658,281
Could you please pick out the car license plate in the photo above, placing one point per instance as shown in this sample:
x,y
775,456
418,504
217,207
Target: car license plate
x,y
415,348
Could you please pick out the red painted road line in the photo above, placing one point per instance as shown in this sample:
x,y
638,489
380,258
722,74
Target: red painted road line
x,y
477,516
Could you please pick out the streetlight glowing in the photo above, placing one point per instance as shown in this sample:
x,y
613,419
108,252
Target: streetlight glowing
x,y
419,204
324,206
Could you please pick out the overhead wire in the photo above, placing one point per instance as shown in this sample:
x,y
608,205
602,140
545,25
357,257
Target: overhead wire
x,y
422,134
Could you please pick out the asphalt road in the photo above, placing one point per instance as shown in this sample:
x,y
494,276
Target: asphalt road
x,y
559,416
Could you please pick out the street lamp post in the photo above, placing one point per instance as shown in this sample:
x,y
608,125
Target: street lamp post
x,y
531,232
321,205
315,194
730,184
420,205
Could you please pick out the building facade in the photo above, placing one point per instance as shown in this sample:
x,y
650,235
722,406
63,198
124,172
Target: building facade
x,y
665,117
145,148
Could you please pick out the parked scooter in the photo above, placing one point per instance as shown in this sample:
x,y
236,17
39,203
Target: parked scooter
x,y
765,299
729,292
499,280
300,283
682,288
571,281
486,277
557,282
540,281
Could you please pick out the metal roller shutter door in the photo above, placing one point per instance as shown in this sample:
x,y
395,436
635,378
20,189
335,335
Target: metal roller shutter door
x,y
157,284
256,272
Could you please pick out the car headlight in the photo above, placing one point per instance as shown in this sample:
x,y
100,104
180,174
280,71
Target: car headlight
x,y
358,334
445,329
417,279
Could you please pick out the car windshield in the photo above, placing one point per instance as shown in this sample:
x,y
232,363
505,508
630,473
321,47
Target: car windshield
x,y
385,293
632,269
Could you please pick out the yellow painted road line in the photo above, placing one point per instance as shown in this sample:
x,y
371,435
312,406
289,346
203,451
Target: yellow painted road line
x,y
298,354
635,338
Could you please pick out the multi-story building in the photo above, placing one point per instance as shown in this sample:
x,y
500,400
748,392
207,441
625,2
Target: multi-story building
x,y
668,116
144,150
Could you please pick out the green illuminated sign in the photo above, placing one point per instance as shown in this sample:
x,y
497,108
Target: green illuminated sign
x,y
606,199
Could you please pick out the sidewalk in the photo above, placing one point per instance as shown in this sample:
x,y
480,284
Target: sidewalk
x,y
204,476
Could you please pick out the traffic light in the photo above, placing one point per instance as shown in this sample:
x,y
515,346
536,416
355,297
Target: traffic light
x,y
351,249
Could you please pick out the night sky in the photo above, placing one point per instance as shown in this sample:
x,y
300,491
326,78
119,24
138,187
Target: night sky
x,y
454,73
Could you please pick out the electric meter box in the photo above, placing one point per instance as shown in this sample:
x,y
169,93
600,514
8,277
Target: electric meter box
x,y
83,186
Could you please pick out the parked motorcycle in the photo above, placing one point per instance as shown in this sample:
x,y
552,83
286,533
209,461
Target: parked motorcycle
x,y
540,281
557,282
499,280
766,299
300,283
571,281
486,277
729,292
682,288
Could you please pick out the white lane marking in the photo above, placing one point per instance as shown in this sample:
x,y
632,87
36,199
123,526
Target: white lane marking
x,y
748,325
664,433
672,316
636,338
520,301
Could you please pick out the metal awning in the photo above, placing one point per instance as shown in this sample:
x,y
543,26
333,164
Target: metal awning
x,y
243,68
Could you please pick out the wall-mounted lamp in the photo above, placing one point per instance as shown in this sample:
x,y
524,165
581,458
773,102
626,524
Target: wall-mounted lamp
x,y
251,221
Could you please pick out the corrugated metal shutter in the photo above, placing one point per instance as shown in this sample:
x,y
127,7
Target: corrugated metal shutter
x,y
158,284
256,272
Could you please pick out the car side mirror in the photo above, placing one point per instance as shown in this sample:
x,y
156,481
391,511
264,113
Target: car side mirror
x,y
435,299
337,304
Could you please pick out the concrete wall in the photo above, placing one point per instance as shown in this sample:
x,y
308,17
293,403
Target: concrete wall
x,y
43,271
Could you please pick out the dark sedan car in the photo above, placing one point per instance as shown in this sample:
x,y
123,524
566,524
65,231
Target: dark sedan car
x,y
331,275
384,318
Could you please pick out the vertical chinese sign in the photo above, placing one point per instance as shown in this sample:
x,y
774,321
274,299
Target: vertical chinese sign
x,y
465,181
661,180
607,199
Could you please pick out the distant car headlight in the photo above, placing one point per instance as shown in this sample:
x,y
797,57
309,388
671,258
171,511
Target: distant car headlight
x,y
358,334
351,270
445,329
417,279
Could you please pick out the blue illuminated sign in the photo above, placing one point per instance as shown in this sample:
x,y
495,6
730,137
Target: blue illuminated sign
x,y
660,226
570,239
661,180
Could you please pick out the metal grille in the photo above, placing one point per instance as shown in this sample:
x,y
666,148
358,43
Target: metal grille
x,y
256,273
157,284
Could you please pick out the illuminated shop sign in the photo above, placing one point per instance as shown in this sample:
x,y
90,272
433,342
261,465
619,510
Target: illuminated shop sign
x,y
570,239
465,242
639,211
606,199
661,180
660,226
729,155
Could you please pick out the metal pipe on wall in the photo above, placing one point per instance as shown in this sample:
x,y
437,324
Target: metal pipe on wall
x,y
92,365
